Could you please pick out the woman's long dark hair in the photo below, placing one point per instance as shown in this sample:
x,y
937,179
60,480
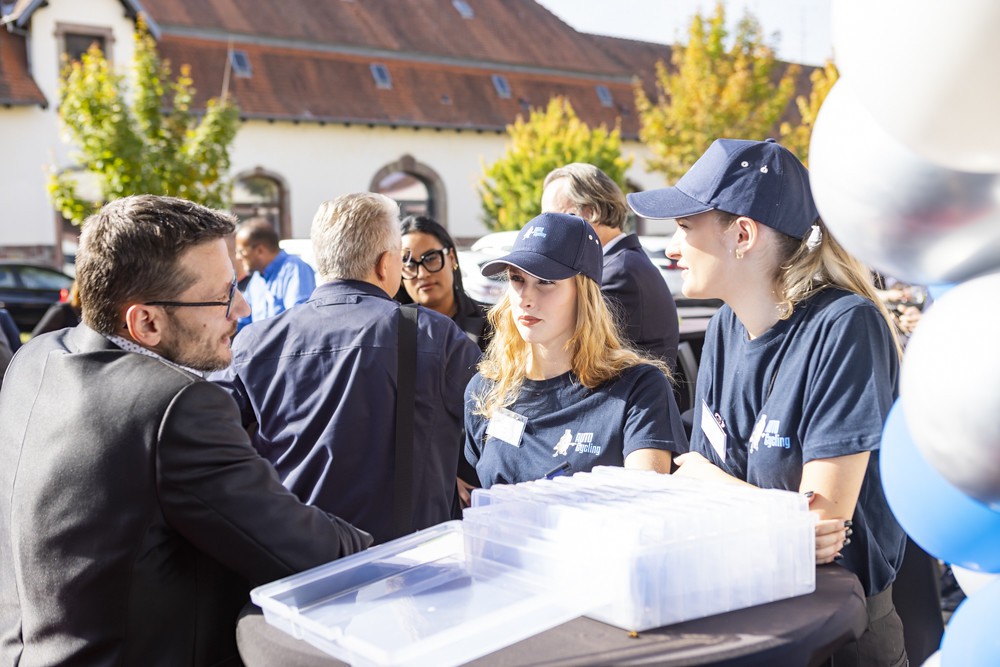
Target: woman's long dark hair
x,y
427,225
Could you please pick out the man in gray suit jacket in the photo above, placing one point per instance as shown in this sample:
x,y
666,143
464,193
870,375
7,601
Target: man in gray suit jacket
x,y
632,285
134,514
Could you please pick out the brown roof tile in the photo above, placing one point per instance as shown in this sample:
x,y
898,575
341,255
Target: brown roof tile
x,y
637,58
519,32
16,84
293,84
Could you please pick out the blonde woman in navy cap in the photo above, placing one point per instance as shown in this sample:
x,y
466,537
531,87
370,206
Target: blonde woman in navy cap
x,y
558,391
800,366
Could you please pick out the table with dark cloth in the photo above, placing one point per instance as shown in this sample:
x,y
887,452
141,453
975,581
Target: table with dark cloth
x,y
802,631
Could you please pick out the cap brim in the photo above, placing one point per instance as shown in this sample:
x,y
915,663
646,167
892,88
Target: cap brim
x,y
537,265
665,203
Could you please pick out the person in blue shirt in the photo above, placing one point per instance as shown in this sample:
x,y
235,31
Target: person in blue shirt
x,y
278,280
799,368
558,390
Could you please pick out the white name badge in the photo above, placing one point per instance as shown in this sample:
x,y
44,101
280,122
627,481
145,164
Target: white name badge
x,y
507,426
713,431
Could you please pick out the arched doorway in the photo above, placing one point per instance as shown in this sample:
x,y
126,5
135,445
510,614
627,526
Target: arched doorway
x,y
414,186
262,194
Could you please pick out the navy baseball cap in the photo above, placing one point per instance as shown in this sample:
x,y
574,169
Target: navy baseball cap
x,y
554,246
762,180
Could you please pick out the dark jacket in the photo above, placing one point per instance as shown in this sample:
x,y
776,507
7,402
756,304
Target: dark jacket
x,y
641,300
317,384
134,514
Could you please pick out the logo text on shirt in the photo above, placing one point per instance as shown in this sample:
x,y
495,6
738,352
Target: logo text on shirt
x,y
583,443
768,433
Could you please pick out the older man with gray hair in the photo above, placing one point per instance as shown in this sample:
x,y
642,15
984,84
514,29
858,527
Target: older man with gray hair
x,y
321,387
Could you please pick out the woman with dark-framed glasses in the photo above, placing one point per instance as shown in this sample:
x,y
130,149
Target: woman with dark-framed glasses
x,y
433,278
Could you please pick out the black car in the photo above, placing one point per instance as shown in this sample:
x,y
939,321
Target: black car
x,y
27,291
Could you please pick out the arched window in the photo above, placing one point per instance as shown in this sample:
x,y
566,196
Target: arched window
x,y
415,187
410,193
259,194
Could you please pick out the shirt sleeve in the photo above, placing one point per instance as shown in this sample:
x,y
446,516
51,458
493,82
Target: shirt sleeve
x,y
301,284
851,387
652,420
475,424
227,501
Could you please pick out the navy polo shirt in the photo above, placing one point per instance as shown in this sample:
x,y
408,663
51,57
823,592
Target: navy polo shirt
x,y
815,386
317,383
567,422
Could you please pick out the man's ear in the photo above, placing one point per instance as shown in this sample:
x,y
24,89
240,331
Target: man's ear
x,y
145,324
382,267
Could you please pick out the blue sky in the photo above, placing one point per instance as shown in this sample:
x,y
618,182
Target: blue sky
x,y
804,25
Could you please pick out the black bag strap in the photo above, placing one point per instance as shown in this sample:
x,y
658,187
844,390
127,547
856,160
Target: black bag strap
x,y
406,376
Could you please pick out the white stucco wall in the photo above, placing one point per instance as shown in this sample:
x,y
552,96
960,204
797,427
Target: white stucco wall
x,y
321,162
29,136
28,218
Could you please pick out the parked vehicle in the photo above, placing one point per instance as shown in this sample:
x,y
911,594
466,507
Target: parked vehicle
x,y
27,290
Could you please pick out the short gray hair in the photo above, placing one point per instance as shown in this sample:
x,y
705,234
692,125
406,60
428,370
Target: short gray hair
x,y
589,186
351,232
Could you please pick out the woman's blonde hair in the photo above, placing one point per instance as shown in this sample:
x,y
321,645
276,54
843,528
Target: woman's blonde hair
x,y
599,353
809,265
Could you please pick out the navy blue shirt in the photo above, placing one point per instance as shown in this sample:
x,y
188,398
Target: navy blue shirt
x,y
639,297
566,422
319,380
815,386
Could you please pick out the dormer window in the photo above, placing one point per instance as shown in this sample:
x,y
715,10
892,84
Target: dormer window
x,y
240,63
75,40
381,75
463,8
604,95
501,86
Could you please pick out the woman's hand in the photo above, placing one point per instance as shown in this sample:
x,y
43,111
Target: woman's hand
x,y
464,491
695,466
832,535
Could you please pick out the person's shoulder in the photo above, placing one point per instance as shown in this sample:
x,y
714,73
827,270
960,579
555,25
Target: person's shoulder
x,y
836,304
477,385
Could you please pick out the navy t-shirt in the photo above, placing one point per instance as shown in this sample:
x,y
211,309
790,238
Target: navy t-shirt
x,y
815,386
566,422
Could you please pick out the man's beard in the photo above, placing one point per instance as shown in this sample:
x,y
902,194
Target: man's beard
x,y
186,346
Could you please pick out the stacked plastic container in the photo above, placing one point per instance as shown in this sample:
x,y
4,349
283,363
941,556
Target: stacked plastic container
x,y
659,549
637,550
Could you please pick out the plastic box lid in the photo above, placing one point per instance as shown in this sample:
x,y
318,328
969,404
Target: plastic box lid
x,y
416,601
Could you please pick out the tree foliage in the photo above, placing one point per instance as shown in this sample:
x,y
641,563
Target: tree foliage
x,y
711,90
511,187
144,142
796,138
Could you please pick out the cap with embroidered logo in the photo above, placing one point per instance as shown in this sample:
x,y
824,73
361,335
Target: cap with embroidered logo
x,y
762,180
553,246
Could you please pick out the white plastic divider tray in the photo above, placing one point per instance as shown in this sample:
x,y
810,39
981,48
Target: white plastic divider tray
x,y
416,602
664,549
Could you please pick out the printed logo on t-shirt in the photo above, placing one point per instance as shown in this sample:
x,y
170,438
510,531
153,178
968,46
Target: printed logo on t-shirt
x,y
584,444
769,435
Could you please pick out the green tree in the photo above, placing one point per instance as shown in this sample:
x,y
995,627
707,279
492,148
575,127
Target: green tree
x,y
146,142
511,187
711,90
796,137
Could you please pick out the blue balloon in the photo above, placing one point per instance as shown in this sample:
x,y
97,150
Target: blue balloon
x,y
971,639
944,521
937,291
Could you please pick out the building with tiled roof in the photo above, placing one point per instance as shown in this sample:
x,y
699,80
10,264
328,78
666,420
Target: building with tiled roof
x,y
409,97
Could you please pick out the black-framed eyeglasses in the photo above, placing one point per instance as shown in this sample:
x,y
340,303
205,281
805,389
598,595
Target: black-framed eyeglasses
x,y
432,261
228,303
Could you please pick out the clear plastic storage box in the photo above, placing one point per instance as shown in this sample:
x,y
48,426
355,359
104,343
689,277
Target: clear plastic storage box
x,y
633,549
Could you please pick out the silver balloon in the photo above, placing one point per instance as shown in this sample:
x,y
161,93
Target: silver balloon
x,y
950,387
894,210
